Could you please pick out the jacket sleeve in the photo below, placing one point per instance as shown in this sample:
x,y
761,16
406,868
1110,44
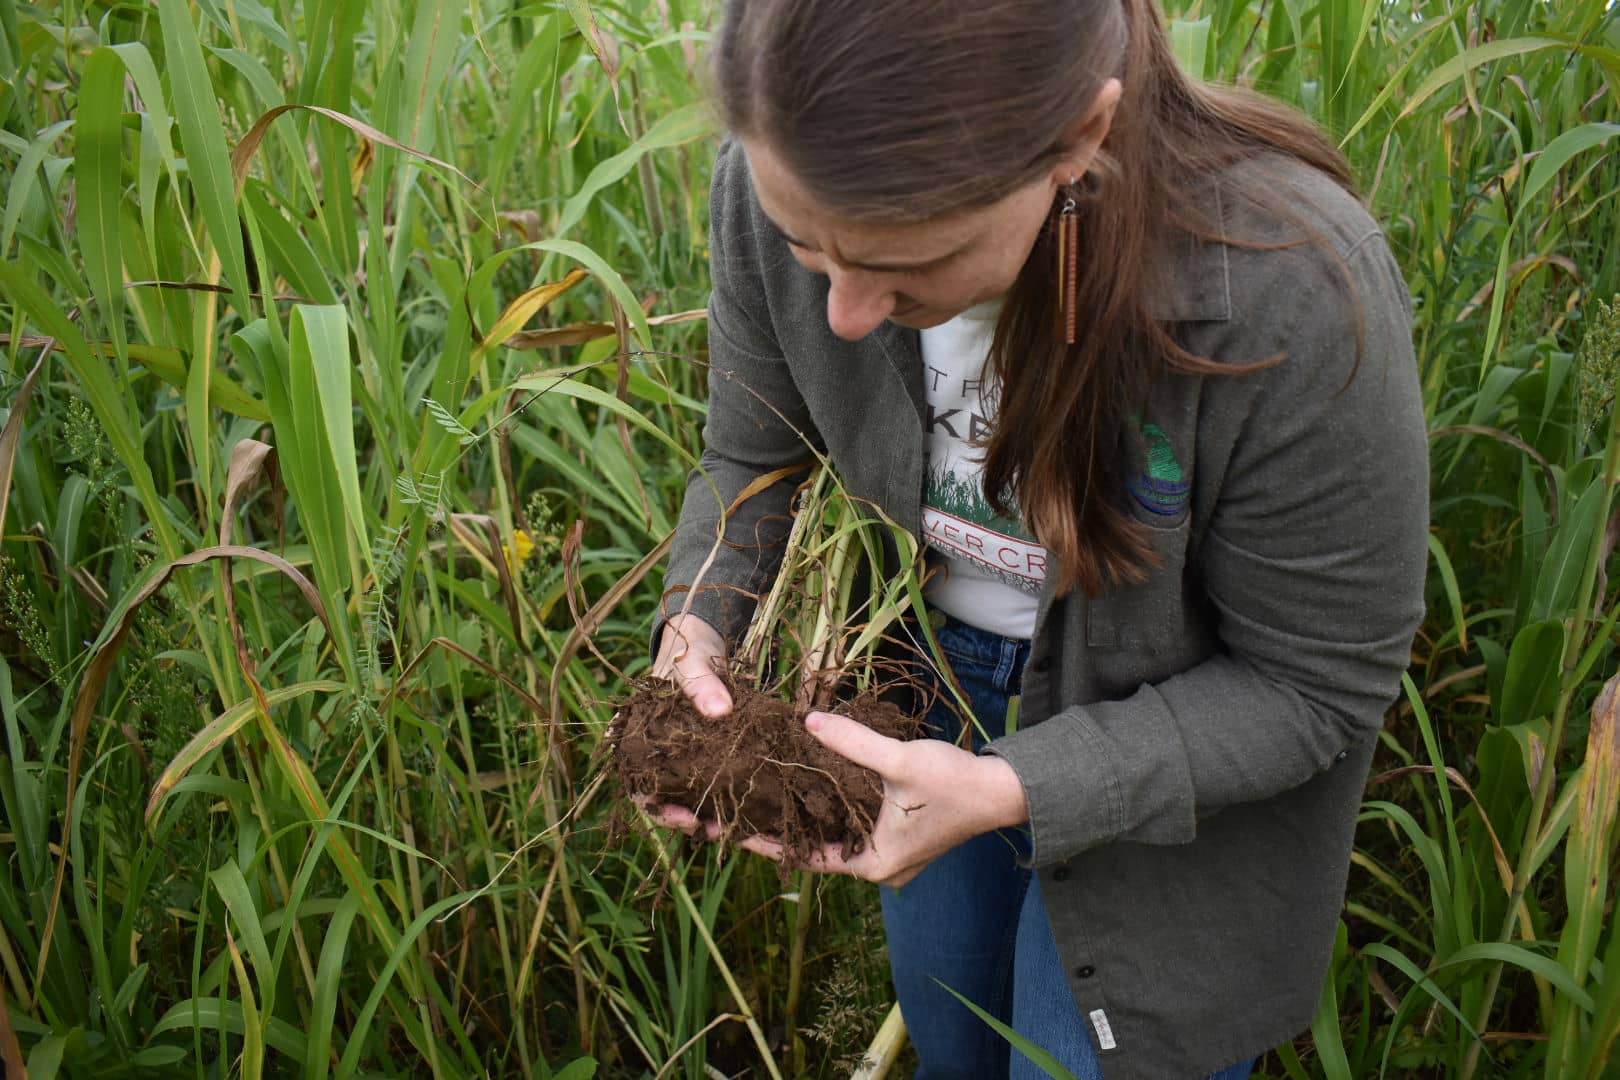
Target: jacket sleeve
x,y
1312,562
727,549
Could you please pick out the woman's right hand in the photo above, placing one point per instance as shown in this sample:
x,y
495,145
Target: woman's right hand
x,y
691,654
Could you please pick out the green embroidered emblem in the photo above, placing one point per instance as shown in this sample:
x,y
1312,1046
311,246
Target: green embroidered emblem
x,y
1163,489
1162,463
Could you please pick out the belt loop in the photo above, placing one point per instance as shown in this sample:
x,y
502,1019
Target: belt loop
x,y
1007,664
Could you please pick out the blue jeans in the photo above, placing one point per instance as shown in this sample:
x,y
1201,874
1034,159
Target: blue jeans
x,y
974,919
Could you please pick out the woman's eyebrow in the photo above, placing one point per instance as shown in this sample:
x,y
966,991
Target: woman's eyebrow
x,y
880,266
789,237
901,267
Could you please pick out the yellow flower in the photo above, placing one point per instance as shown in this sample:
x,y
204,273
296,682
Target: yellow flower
x,y
521,547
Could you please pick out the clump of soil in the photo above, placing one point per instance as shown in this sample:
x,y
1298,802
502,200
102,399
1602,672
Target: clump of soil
x,y
757,772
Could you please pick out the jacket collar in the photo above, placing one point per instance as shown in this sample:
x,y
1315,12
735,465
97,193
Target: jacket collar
x,y
1195,281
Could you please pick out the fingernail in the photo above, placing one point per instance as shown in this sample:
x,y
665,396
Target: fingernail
x,y
813,723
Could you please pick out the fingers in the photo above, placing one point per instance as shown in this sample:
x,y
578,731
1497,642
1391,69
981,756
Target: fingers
x,y
702,687
855,741
674,817
759,845
826,860
690,655
679,818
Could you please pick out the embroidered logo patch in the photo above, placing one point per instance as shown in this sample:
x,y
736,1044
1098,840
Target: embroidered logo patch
x,y
1163,489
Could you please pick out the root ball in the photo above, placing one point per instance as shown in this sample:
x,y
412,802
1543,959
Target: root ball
x,y
756,771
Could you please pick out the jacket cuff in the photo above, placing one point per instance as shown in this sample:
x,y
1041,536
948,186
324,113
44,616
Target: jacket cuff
x,y
1057,763
1086,789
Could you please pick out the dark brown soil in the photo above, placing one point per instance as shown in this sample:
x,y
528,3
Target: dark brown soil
x,y
757,772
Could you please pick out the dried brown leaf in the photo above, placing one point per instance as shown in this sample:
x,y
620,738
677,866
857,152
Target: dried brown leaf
x,y
11,1055
242,156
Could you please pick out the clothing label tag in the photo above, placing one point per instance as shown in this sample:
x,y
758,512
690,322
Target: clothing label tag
x,y
1105,1034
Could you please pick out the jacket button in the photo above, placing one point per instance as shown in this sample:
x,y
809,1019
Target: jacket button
x,y
1341,755
1043,665
1085,971
1061,874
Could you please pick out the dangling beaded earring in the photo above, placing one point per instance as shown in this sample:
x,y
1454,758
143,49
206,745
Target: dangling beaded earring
x,y
1068,257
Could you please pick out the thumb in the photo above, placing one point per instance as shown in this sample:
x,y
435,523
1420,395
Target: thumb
x,y
853,740
702,686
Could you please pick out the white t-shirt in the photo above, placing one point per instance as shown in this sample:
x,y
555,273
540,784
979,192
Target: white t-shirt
x,y
993,566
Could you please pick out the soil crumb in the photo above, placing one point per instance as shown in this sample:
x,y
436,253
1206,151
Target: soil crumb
x,y
755,772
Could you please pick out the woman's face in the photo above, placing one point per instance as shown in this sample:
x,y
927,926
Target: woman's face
x,y
923,274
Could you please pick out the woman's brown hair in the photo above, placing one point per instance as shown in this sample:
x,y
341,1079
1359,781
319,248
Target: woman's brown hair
x,y
905,110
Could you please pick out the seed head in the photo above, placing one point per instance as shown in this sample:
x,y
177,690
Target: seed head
x,y
1597,363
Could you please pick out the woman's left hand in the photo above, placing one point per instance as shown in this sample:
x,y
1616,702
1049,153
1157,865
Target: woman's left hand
x,y
935,796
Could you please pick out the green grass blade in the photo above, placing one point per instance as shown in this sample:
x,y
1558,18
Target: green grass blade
x,y
1471,58
1558,153
1189,39
401,948
1042,1058
320,338
1587,865
433,40
1423,982
138,62
98,167
214,734
1598,1047
169,365
288,250
574,388
1530,686
25,178
199,416
1425,38
1559,577
1448,579
196,107
233,889
684,125
1326,1033
1521,957
220,1014
329,988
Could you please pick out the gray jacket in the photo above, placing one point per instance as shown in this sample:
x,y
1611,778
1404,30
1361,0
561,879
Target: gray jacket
x,y
1193,749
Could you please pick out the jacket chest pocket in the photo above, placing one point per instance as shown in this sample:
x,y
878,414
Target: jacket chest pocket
x,y
1142,633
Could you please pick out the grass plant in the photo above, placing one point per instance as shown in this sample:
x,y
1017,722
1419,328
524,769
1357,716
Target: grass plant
x,y
352,369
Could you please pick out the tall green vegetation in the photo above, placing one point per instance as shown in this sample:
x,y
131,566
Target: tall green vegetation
x,y
352,371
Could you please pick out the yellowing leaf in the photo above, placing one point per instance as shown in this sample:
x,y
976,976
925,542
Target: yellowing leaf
x,y
525,307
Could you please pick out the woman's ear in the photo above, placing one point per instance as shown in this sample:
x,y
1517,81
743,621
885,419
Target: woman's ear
x,y
1086,135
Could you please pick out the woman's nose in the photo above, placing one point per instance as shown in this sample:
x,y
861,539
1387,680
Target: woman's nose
x,y
856,303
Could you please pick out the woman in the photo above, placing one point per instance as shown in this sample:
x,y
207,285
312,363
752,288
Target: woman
x,y
1132,359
